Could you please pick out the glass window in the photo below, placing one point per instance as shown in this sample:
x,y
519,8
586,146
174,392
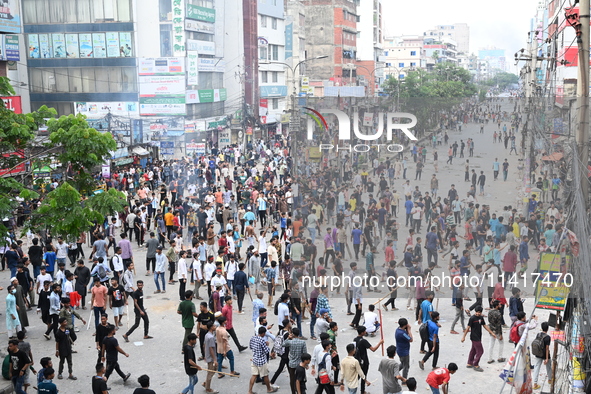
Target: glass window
x,y
109,10
274,103
88,84
61,80
35,80
263,53
123,11
275,76
165,40
102,79
264,77
42,11
114,79
99,11
30,11
165,8
413,64
400,64
84,11
128,79
413,53
48,79
263,21
274,23
274,49
75,80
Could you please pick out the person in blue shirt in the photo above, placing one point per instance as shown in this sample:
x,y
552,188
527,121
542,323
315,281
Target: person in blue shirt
x,y
356,238
433,326
49,259
426,312
496,166
45,363
532,204
403,338
409,205
47,386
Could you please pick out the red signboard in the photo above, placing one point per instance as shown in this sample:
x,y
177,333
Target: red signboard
x,y
13,103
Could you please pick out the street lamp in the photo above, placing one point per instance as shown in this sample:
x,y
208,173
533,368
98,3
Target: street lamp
x,y
398,71
294,121
371,73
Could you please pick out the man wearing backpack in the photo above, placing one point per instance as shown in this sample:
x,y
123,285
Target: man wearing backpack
x,y
101,270
519,326
540,348
433,340
515,304
282,352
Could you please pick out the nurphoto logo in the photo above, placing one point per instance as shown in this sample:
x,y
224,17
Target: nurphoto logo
x,y
393,122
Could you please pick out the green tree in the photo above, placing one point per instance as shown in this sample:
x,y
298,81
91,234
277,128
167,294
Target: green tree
x,y
77,148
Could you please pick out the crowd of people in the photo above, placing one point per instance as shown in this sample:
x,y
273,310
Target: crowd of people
x,y
244,222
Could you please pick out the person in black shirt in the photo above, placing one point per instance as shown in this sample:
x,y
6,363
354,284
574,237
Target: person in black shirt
x,y
102,330
82,275
363,345
117,300
144,381
140,312
191,366
36,257
63,348
19,362
474,327
99,382
43,303
110,352
300,373
205,316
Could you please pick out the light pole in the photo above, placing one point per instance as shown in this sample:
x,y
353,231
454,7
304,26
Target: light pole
x,y
294,121
371,73
398,71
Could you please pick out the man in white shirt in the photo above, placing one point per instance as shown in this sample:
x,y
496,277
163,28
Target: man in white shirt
x,y
283,309
197,276
117,261
61,250
371,321
41,278
182,274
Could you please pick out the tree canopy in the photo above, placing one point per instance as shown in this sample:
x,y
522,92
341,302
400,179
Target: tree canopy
x,y
75,147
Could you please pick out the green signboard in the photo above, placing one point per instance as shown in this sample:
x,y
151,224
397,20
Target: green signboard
x,y
200,13
162,100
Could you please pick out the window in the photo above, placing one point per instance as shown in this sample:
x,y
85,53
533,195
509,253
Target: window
x,y
274,76
165,40
79,11
388,64
386,53
274,52
412,64
263,53
401,76
263,21
400,64
165,10
83,80
275,103
264,77
413,53
274,23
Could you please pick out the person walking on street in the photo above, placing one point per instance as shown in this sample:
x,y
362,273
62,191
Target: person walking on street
x,y
260,357
110,353
227,312
241,286
209,349
63,348
403,338
190,362
297,347
433,327
352,371
187,311
19,363
541,351
140,312
160,270
475,324
363,346
223,347
390,369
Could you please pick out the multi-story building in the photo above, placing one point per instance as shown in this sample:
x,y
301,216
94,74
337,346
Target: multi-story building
x,y
272,69
402,54
370,62
439,51
495,57
11,40
331,31
458,32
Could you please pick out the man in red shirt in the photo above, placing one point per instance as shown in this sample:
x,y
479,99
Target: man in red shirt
x,y
440,378
510,264
227,313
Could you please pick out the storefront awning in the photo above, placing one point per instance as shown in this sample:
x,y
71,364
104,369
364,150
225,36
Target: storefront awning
x,y
138,150
556,156
121,152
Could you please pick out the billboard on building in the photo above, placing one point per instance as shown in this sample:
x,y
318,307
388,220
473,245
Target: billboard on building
x,y
14,104
202,47
9,47
206,96
199,26
162,86
95,110
200,13
10,19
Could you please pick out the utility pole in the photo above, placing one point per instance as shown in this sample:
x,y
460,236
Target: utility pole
x,y
583,96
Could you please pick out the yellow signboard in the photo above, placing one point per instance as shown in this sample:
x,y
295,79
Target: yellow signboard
x,y
314,153
554,281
